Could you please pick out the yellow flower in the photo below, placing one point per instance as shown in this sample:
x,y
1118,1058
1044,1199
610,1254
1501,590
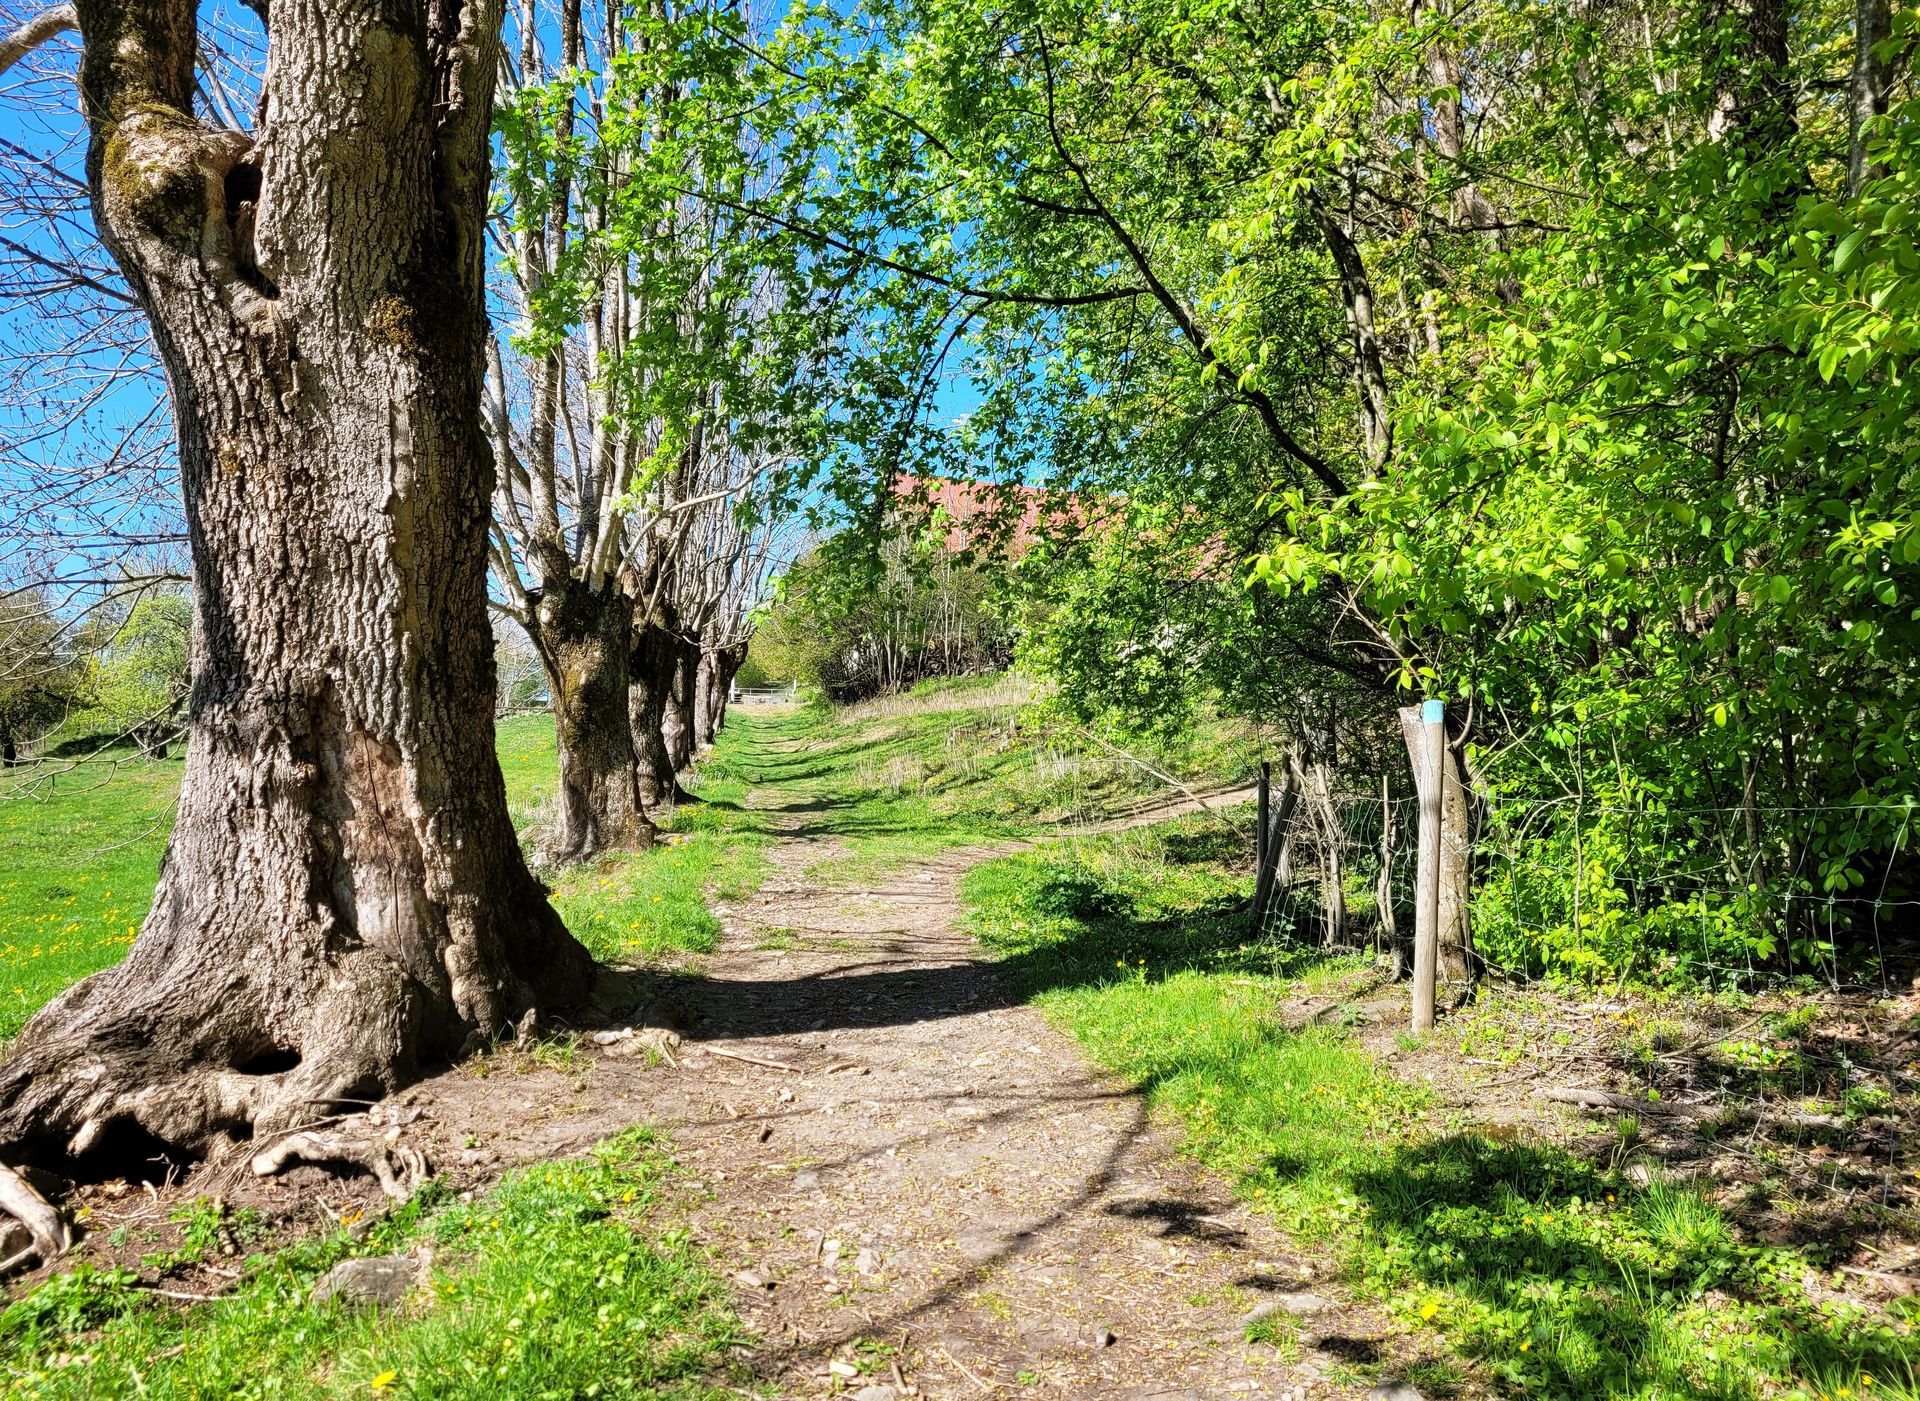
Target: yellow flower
x,y
1525,1343
1429,1309
384,1380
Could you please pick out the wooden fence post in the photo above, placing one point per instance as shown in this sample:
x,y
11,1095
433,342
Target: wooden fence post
x,y
1264,804
1276,821
1383,888
1431,776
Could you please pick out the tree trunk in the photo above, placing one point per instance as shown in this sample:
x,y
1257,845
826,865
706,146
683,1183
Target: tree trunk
x,y
706,676
731,660
343,899
1456,847
1867,92
649,678
676,720
583,637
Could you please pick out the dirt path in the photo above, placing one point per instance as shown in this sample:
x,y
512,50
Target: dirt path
x,y
943,1174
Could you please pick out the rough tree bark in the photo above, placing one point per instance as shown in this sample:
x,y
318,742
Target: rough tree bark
x,y
705,710
649,678
677,717
343,898
1456,848
583,635
1871,84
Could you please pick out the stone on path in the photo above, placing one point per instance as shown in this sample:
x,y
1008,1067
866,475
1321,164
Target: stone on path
x,y
1298,1305
379,1281
1393,1391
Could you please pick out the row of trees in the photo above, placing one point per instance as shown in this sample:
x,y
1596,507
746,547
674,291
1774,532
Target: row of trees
x,y
1554,362
343,898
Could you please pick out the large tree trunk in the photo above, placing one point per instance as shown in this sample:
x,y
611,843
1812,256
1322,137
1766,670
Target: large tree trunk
x,y
343,899
650,670
1456,850
584,638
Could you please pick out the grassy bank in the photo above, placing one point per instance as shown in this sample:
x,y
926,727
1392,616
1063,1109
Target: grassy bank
x,y
1529,1266
558,1283
957,762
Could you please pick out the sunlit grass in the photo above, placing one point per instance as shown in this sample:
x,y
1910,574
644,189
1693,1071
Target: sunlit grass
x,y
79,857
1545,1273
557,1283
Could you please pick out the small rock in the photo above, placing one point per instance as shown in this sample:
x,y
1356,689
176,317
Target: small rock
x,y
1393,1391
1097,1337
842,1369
806,1181
752,1280
379,1281
830,1253
1299,1305
866,1262
879,1391
14,1238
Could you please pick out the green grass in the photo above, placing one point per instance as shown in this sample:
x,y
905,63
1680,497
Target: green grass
x,y
558,1283
79,857
1543,1273
954,763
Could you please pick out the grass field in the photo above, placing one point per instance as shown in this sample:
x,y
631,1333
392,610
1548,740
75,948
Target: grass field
x,y
80,854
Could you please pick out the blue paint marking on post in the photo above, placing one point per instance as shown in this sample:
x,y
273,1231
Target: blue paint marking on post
x,y
1433,712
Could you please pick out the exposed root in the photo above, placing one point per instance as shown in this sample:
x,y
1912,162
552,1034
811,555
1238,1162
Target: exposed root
x,y
399,1167
48,1226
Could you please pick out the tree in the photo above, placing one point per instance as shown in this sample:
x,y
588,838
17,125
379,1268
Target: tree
x,y
140,673
343,899
43,674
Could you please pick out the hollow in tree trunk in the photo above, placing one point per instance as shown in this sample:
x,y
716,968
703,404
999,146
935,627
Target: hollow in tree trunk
x,y
583,636
343,900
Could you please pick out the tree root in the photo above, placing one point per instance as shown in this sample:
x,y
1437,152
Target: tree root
x,y
399,1167
46,1224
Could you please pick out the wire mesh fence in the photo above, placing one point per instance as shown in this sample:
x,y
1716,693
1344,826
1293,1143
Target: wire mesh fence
x,y
1594,893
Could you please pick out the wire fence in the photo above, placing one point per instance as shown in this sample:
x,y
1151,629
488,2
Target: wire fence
x,y
1597,893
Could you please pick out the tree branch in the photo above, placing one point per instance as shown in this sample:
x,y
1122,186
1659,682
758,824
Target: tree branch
x,y
48,24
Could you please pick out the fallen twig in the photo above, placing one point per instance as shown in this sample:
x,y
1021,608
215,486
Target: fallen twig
x,y
755,1060
1606,1099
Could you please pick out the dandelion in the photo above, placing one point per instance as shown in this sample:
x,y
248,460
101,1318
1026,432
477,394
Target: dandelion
x,y
1428,1310
383,1381
1525,1343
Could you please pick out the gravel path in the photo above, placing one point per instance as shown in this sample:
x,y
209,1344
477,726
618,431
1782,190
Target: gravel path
x,y
941,1195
